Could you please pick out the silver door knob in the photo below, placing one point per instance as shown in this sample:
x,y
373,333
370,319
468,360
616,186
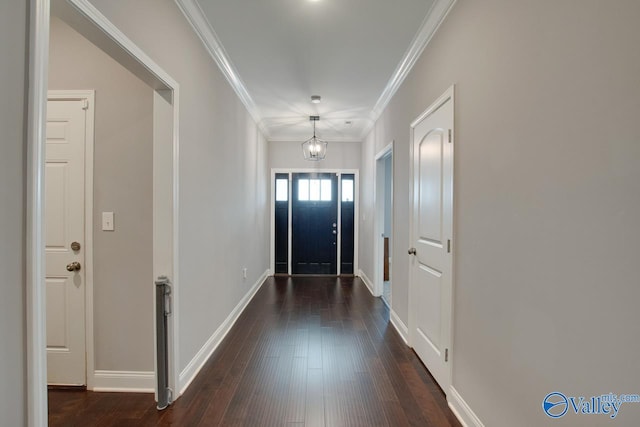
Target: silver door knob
x,y
412,251
74,266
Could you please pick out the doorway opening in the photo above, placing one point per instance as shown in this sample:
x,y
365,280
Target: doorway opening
x,y
87,21
384,223
313,222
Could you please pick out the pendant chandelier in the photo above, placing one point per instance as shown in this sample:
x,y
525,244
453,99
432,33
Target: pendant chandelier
x,y
314,148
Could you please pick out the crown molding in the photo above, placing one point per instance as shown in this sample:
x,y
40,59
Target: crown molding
x,y
331,141
201,25
430,25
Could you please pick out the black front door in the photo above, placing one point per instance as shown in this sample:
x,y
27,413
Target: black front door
x,y
314,223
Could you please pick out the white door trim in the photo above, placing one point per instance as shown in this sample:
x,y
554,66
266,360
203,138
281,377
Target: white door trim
x,y
274,171
36,138
89,96
449,94
378,227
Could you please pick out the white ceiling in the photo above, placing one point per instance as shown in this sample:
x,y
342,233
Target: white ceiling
x,y
277,53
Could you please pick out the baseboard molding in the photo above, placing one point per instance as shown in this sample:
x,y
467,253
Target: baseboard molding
x,y
124,381
367,282
386,303
462,410
397,323
193,368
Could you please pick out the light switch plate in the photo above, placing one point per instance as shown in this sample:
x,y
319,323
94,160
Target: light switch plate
x,y
107,221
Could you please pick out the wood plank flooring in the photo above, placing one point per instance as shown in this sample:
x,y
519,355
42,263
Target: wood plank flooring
x,y
306,352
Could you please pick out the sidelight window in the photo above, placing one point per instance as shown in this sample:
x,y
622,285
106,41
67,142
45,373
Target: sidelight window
x,y
347,190
282,190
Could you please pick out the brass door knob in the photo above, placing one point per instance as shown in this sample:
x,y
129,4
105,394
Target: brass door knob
x,y
74,266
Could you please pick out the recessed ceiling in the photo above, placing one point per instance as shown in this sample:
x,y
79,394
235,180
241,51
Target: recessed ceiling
x,y
278,53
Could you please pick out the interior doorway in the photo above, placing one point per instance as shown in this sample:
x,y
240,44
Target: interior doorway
x,y
384,223
85,19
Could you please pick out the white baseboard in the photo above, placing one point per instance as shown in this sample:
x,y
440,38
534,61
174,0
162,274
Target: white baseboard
x,y
367,282
461,410
193,368
124,381
400,326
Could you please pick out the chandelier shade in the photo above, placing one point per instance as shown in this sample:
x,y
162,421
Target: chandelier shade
x,y
314,148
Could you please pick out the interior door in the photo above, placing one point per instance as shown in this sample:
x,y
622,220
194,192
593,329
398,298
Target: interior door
x,y
64,222
314,223
432,228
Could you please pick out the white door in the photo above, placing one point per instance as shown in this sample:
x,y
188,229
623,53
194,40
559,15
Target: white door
x,y
431,234
64,210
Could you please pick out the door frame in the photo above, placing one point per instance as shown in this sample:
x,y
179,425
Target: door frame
x,y
379,218
449,94
109,38
89,140
272,204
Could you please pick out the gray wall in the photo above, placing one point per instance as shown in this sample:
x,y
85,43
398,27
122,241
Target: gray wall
x,y
340,155
224,178
13,70
123,184
547,201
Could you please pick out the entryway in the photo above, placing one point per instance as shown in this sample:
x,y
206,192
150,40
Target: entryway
x,y
314,227
384,223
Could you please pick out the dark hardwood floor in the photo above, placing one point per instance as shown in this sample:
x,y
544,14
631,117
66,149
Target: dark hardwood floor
x,y
306,352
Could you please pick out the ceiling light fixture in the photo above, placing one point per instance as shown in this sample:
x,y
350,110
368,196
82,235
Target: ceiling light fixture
x,y
314,148
315,99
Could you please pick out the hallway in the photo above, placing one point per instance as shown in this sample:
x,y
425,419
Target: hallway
x,y
306,352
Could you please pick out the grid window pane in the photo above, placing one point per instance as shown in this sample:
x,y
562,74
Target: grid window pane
x,y
314,190
303,189
325,190
282,190
347,190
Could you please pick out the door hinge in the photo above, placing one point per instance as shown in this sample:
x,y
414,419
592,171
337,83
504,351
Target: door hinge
x,y
85,104
448,246
446,354
450,139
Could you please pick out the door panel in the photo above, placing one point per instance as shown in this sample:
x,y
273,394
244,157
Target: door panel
x,y
432,219
430,153
64,209
314,222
